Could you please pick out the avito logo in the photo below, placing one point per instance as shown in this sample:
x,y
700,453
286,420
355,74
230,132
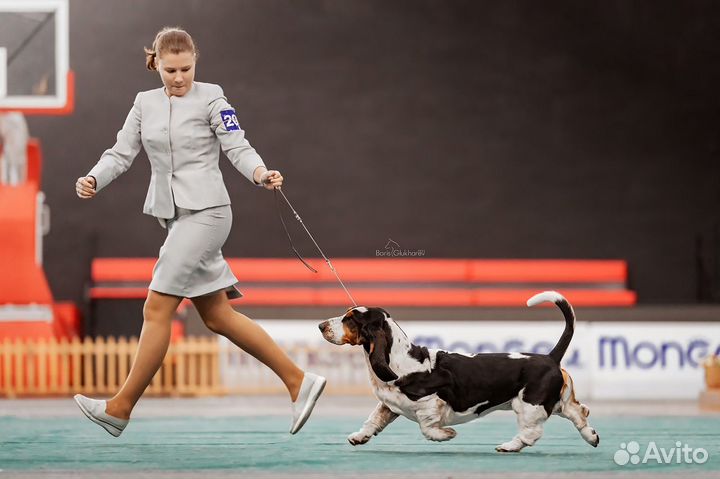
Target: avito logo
x,y
680,454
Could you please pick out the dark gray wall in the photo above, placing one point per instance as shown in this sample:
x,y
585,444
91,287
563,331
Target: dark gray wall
x,y
494,129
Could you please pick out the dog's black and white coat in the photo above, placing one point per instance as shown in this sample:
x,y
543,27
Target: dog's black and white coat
x,y
437,389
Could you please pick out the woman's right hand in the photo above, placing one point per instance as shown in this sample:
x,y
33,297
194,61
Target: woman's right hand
x,y
85,187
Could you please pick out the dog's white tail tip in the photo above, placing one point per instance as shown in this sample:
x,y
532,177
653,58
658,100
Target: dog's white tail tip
x,y
546,296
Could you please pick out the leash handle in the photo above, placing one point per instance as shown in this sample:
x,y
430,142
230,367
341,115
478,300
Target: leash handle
x,y
297,217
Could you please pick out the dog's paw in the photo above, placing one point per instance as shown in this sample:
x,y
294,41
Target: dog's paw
x,y
358,438
515,445
440,434
590,435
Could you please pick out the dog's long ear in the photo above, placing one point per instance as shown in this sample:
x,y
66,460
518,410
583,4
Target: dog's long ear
x,y
378,358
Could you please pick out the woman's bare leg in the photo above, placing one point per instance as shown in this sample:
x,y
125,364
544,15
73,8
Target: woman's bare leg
x,y
221,318
152,347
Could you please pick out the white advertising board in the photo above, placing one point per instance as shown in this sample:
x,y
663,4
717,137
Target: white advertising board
x,y
651,360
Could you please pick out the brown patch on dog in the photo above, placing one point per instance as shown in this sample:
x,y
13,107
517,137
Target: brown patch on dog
x,y
350,336
568,385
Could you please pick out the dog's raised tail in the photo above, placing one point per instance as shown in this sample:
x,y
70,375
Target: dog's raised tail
x,y
558,351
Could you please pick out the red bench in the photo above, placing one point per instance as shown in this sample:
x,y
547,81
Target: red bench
x,y
392,282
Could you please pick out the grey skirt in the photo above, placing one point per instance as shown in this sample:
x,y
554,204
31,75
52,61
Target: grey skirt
x,y
191,263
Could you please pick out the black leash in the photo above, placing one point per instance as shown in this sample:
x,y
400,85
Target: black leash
x,y
282,220
292,245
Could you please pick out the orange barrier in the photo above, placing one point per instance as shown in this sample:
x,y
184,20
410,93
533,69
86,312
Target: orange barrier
x,y
27,309
18,209
64,367
18,206
405,282
440,297
389,270
396,297
23,284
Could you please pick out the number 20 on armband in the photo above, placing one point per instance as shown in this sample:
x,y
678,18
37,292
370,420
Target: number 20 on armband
x,y
230,120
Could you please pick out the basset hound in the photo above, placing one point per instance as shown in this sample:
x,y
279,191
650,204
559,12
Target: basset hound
x,y
437,388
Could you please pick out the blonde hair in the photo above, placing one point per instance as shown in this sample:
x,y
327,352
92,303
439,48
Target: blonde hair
x,y
169,40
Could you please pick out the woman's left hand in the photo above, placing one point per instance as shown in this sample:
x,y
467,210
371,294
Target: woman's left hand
x,y
271,179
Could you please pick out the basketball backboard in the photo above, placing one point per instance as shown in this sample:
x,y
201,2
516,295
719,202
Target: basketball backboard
x,y
35,75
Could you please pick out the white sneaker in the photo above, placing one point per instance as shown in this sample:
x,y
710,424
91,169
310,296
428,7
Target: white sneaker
x,y
310,389
95,411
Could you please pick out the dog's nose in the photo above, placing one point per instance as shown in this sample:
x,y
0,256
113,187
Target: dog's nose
x,y
322,326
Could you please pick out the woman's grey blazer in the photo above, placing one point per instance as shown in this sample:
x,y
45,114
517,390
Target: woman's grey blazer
x,y
181,136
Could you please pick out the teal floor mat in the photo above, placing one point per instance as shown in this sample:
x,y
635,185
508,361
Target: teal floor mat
x,y
263,444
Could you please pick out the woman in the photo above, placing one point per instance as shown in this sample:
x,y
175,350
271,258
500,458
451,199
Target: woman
x,y
180,126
